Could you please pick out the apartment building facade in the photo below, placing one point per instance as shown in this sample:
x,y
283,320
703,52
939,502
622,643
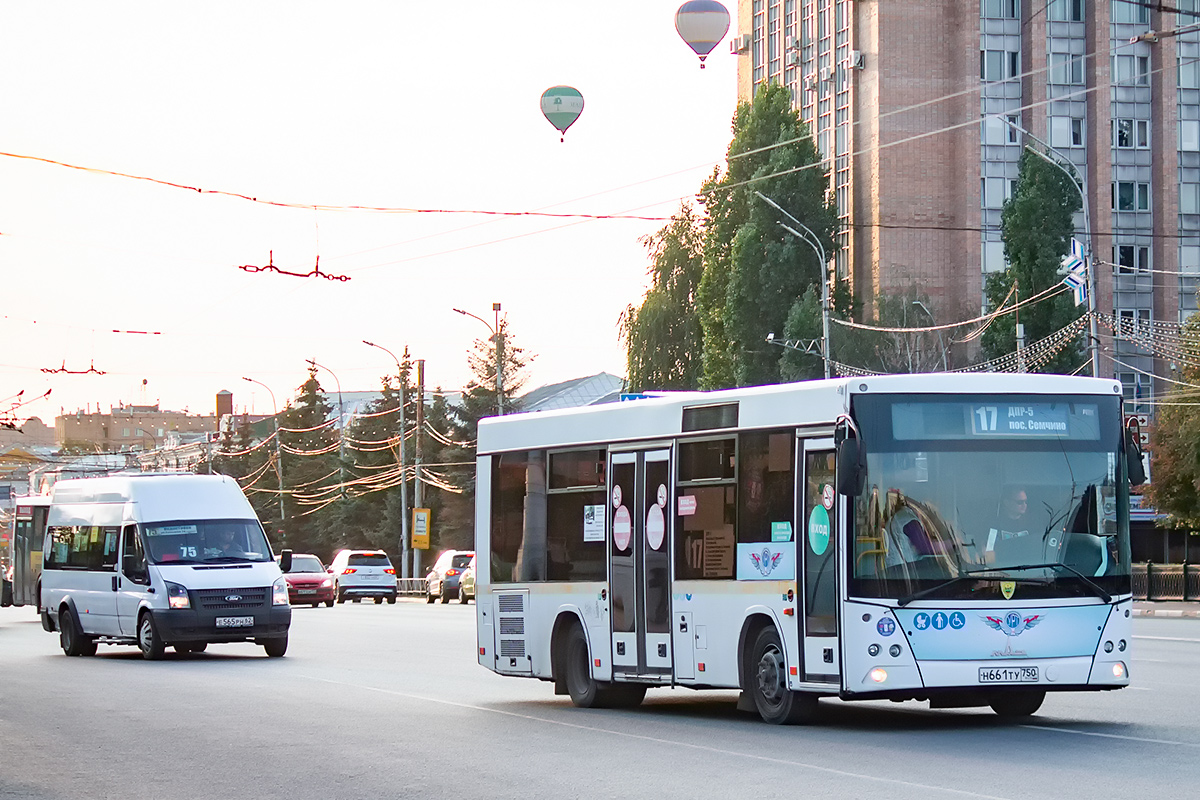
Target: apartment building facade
x,y
126,428
922,109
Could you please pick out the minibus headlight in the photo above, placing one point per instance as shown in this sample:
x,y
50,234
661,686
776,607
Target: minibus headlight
x,y
279,595
177,596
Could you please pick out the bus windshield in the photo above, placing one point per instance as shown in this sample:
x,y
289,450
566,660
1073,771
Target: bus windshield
x,y
207,541
986,497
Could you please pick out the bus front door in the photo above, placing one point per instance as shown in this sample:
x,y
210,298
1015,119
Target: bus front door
x,y
639,584
817,501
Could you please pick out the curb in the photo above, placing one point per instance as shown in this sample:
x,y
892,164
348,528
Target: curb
x,y
1165,612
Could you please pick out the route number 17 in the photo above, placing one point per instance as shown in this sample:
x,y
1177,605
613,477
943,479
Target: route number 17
x,y
987,418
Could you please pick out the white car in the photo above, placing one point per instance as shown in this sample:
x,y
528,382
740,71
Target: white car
x,y
363,573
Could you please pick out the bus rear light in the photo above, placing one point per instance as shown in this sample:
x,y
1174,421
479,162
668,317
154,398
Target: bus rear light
x,y
1119,670
597,662
879,675
789,612
700,666
483,651
793,671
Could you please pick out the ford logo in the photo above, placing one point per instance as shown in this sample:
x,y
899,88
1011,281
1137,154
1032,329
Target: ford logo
x,y
232,598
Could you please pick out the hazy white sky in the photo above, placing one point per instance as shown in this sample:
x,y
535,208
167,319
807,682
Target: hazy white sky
x,y
399,104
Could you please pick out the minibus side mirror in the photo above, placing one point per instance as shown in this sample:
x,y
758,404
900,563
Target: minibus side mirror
x,y
285,560
1133,459
851,468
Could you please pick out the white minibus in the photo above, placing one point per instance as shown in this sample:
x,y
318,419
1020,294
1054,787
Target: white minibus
x,y
160,560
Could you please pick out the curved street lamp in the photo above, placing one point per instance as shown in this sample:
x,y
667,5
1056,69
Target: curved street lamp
x,y
278,453
404,544
499,363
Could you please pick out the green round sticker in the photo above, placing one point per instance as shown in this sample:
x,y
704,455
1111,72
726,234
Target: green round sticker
x,y
818,530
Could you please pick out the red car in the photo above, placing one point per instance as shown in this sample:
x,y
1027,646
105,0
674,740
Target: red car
x,y
308,582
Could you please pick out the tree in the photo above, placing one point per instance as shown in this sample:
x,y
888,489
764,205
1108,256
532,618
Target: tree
x,y
1037,226
663,337
1175,440
754,270
310,465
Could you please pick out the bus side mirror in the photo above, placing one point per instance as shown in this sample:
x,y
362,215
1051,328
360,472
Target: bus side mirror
x,y
851,468
285,560
1133,459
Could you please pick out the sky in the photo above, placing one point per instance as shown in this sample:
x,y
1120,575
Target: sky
x,y
398,105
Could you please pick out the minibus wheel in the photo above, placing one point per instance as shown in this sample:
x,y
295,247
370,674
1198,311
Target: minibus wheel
x,y
72,641
275,647
767,684
149,643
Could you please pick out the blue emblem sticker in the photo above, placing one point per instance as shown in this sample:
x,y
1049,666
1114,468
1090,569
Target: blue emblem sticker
x,y
886,627
940,621
921,621
957,620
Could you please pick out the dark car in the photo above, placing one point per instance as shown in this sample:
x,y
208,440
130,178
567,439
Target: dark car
x,y
308,582
442,580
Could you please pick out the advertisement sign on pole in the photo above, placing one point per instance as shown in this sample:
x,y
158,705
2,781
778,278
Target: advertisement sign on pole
x,y
420,529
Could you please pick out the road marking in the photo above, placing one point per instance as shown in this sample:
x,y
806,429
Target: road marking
x,y
1111,736
1168,639
657,740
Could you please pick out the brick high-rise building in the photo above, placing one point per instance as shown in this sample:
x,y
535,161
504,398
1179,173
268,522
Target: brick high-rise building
x,y
921,107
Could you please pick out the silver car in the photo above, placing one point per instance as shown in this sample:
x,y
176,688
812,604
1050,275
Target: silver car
x,y
442,580
363,573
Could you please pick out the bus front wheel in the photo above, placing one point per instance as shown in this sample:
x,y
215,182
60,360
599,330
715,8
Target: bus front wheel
x,y
776,703
1017,704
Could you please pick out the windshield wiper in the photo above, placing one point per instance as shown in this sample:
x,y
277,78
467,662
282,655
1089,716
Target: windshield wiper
x,y
926,592
1095,588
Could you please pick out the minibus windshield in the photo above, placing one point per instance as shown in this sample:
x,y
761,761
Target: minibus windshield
x,y
207,541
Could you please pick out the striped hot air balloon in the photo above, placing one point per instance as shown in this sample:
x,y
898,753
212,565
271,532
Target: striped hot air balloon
x,y
562,105
702,24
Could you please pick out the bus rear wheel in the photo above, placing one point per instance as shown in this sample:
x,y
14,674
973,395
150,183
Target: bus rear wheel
x,y
767,684
584,690
1017,704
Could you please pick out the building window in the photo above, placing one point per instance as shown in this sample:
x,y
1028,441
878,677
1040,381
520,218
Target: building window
x,y
1189,72
124,433
1189,135
1133,323
1130,133
1127,11
1131,196
1189,198
1066,132
999,9
1189,259
1131,70
999,65
1066,68
1134,388
1131,258
1066,10
1014,122
993,257
996,191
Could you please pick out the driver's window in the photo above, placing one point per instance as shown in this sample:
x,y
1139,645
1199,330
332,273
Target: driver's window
x,y
133,562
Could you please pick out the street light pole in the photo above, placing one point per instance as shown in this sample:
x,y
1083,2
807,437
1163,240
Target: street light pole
x,y
341,425
812,241
499,352
404,543
941,342
278,457
1089,261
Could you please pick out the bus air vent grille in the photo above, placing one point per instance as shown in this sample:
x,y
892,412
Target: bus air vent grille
x,y
512,648
512,626
510,603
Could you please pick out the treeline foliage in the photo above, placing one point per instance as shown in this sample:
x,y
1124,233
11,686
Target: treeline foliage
x,y
1175,439
344,489
720,284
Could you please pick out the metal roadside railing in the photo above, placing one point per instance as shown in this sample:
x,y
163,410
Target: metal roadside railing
x,y
1166,581
410,587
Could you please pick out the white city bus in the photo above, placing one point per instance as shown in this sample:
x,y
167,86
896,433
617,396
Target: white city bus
x,y
28,530
843,538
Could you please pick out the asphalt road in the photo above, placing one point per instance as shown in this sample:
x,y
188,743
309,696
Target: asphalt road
x,y
387,701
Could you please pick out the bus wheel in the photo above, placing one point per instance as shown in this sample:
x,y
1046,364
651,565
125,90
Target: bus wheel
x,y
776,703
580,683
1017,704
151,646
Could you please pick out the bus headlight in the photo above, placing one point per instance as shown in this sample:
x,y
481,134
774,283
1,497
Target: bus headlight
x,y
177,596
1119,670
279,593
879,675
873,650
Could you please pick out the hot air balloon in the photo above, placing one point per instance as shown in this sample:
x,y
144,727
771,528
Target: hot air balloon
x,y
562,105
702,24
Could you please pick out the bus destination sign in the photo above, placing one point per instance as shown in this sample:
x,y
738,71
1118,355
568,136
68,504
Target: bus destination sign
x,y
1026,419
